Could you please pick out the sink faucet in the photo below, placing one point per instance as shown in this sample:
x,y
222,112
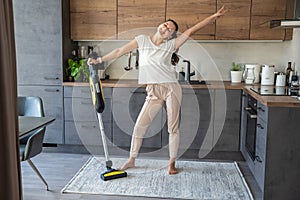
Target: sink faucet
x,y
188,73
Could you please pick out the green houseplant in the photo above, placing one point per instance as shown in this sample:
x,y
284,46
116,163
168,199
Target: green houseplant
x,y
236,73
77,68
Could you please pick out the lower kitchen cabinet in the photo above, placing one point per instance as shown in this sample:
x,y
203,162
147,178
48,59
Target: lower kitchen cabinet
x,y
227,108
52,97
206,123
127,104
196,120
81,124
275,165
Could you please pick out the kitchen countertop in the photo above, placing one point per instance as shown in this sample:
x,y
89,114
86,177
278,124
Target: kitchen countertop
x,y
270,101
134,83
274,101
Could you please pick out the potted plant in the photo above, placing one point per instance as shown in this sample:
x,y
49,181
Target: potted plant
x,y
77,68
236,73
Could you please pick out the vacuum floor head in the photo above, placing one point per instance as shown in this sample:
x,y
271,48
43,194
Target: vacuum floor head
x,y
113,174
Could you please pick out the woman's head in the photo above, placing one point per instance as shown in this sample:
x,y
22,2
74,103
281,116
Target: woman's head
x,y
174,34
168,29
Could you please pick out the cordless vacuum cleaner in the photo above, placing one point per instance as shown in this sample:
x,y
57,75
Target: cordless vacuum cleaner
x,y
98,102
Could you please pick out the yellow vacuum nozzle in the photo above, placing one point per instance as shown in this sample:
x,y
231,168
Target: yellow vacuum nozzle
x,y
113,174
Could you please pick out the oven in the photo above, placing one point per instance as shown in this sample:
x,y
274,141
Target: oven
x,y
250,111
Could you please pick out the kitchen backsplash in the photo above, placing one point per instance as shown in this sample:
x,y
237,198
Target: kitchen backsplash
x,y
212,59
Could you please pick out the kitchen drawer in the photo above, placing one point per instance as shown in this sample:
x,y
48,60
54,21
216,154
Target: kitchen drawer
x,y
262,111
86,133
82,109
83,92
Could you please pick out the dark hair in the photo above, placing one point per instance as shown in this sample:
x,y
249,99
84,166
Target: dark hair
x,y
174,35
175,58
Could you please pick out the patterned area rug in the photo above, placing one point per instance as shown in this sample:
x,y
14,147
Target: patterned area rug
x,y
195,180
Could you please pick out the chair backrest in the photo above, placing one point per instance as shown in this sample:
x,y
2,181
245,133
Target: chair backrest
x,y
30,106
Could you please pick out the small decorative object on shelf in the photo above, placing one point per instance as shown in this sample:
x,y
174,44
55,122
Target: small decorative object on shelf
x,y
236,73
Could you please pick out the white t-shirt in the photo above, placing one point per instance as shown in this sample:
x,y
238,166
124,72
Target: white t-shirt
x,y
155,61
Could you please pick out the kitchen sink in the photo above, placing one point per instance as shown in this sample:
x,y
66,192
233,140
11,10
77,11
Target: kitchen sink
x,y
195,82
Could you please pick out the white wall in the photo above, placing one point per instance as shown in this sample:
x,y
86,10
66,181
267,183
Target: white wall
x,y
212,59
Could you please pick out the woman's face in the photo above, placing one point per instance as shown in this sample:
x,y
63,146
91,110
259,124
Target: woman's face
x,y
166,29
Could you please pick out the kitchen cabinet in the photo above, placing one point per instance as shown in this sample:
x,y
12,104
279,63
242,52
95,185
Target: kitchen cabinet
x,y
127,103
262,13
38,37
139,17
81,124
187,13
122,19
93,19
276,163
196,120
235,25
227,108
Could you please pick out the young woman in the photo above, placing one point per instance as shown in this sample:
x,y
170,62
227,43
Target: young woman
x,y
156,72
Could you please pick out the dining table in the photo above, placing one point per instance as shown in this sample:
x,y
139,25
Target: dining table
x,y
29,124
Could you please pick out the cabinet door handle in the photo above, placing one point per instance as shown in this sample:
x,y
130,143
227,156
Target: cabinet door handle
x,y
85,103
260,126
138,92
84,126
261,109
51,90
51,78
257,158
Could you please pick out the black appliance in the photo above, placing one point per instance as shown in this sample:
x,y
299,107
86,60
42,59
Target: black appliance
x,y
275,91
251,111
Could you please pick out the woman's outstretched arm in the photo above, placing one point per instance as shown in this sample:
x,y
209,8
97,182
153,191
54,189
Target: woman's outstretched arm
x,y
180,40
116,52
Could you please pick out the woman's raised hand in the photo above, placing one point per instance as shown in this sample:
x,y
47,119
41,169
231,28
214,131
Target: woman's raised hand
x,y
220,12
92,61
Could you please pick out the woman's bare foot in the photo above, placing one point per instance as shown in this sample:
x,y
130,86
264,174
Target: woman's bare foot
x,y
172,168
129,164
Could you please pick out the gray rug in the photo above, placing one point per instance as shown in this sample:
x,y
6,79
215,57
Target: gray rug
x,y
195,180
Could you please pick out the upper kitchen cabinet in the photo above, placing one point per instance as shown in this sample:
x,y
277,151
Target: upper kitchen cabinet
x,y
187,13
139,17
262,13
124,19
38,36
236,24
93,19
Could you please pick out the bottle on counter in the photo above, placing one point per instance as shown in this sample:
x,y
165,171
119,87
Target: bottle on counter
x,y
288,73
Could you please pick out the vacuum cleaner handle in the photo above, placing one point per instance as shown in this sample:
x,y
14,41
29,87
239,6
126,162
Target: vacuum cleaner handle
x,y
96,90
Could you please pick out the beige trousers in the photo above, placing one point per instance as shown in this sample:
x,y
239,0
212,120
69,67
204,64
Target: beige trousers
x,y
157,94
